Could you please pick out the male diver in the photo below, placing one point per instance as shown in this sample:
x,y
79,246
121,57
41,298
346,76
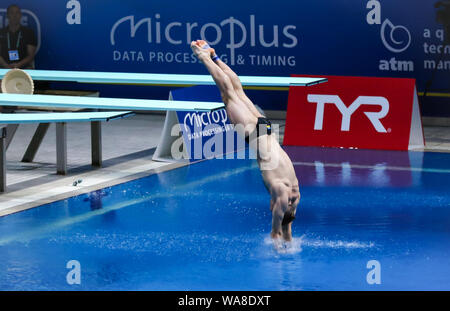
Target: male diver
x,y
276,168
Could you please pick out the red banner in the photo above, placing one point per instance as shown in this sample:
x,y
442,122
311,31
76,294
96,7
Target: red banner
x,y
353,112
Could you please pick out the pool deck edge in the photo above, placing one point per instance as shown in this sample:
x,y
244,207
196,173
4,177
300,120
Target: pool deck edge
x,y
93,180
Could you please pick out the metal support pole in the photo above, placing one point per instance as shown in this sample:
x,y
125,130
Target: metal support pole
x,y
3,160
35,143
61,148
11,130
96,143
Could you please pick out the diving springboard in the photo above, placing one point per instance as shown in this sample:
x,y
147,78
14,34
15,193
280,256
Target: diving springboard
x,y
105,103
20,118
60,119
161,79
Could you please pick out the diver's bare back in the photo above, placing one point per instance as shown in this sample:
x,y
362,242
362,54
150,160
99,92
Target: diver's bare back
x,y
275,165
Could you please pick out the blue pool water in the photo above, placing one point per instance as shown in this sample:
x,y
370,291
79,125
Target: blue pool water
x,y
206,227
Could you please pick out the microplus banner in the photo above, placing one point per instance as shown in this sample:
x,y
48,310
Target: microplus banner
x,y
379,38
206,134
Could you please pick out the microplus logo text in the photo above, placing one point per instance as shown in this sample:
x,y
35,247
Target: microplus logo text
x,y
235,33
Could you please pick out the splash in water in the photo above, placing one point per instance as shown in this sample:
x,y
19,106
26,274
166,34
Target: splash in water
x,y
295,246
285,247
315,243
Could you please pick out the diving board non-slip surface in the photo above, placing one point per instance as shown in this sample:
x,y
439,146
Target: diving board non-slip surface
x,y
104,103
161,79
19,118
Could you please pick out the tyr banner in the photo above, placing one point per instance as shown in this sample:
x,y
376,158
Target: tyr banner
x,y
355,112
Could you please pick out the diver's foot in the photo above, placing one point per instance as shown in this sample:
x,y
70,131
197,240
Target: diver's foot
x,y
204,45
198,51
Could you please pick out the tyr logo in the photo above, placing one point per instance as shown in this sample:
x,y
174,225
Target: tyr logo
x,y
347,112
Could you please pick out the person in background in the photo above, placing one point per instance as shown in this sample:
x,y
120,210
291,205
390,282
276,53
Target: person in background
x,y
17,43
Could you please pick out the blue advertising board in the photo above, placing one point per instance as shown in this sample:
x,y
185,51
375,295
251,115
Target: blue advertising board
x,y
379,38
207,134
